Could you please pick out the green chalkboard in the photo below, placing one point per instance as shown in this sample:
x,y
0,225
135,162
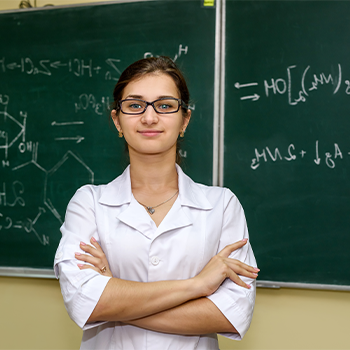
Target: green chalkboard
x,y
58,67
287,144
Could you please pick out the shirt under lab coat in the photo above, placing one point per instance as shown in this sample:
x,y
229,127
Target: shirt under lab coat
x,y
201,222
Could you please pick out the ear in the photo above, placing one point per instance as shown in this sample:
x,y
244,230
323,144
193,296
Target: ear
x,y
115,118
186,120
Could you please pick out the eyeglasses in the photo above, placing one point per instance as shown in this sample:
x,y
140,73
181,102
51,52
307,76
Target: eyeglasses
x,y
165,105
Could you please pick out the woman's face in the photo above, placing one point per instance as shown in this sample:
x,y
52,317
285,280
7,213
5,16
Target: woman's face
x,y
151,133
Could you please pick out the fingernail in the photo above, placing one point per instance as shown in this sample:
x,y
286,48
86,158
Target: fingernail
x,y
255,274
82,243
76,253
93,239
244,239
256,269
80,265
248,286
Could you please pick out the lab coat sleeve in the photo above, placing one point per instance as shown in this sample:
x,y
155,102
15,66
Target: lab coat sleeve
x,y
81,289
235,302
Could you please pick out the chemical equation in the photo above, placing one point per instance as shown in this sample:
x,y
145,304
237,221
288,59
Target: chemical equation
x,y
295,94
109,70
266,155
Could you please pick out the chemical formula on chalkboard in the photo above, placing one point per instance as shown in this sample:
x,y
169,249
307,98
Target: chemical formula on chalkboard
x,y
298,88
306,85
79,67
292,154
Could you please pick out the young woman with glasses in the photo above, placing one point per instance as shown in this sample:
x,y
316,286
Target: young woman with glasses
x,y
154,260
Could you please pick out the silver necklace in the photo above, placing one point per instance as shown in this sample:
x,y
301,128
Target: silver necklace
x,y
151,210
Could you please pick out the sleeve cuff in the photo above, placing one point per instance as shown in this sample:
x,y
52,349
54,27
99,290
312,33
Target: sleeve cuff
x,y
232,312
89,295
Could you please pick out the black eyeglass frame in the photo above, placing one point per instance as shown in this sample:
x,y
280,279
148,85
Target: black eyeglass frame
x,y
181,104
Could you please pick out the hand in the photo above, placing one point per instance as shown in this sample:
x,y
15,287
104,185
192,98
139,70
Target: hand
x,y
221,267
96,257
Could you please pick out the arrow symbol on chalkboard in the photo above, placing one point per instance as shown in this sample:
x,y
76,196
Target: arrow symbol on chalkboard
x,y
57,64
77,138
238,85
13,66
54,123
254,97
318,159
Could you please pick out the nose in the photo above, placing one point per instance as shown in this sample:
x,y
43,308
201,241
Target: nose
x,y
149,116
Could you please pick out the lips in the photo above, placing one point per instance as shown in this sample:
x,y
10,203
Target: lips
x,y
150,133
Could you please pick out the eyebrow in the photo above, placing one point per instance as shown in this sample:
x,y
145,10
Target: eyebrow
x,y
141,97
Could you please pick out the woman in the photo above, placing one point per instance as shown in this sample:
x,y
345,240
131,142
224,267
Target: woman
x,y
164,274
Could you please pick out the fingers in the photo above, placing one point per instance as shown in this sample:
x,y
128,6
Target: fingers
x,y
104,271
95,244
242,269
96,250
242,265
232,247
85,267
234,278
95,254
88,259
95,258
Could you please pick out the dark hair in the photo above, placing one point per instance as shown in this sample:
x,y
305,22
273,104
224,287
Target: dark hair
x,y
153,65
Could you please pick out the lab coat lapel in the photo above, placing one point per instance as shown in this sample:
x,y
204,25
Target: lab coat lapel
x,y
176,218
136,217
118,193
190,202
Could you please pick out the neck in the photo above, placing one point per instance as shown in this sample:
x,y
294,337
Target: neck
x,y
153,172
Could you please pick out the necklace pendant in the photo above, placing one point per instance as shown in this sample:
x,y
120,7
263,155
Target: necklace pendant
x,y
150,210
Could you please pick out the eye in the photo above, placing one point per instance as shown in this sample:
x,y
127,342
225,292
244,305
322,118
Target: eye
x,y
134,105
164,106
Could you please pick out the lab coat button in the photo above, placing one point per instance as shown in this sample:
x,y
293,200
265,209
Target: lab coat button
x,y
155,260
59,255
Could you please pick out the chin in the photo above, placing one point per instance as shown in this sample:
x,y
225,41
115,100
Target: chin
x,y
153,151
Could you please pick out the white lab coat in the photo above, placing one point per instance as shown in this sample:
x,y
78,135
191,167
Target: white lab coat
x,y
201,222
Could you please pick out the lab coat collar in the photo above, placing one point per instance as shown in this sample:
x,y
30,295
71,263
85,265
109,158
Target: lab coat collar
x,y
118,192
190,193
